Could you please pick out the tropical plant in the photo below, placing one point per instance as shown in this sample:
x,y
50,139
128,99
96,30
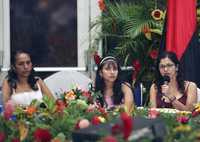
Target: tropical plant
x,y
131,31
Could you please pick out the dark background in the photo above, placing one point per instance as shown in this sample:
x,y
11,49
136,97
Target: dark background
x,y
47,28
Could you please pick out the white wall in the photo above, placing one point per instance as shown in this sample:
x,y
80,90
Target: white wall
x,y
4,34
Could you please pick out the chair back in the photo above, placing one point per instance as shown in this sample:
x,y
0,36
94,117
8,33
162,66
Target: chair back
x,y
198,95
67,80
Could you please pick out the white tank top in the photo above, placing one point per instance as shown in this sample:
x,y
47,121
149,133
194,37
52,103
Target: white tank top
x,y
25,98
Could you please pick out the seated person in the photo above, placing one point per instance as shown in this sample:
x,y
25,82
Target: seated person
x,y
21,86
174,92
115,92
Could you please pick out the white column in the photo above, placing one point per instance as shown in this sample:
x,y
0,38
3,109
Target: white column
x,y
87,11
4,33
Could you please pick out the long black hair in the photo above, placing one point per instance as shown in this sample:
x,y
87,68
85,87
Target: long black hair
x,y
179,78
100,84
12,75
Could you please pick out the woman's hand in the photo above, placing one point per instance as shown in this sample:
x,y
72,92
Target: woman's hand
x,y
165,89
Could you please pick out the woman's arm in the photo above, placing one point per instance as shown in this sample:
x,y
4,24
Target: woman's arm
x,y
191,98
128,97
153,94
6,91
45,90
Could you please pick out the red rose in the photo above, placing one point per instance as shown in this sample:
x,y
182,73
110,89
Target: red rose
x,y
87,95
15,140
116,129
95,120
153,113
195,113
127,124
97,58
77,125
134,75
42,135
109,139
145,29
136,64
60,105
153,54
102,5
103,111
9,109
2,136
183,119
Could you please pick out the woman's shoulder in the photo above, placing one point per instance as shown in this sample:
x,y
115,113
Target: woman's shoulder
x,y
190,84
190,87
37,78
39,81
153,89
5,82
153,86
124,83
125,86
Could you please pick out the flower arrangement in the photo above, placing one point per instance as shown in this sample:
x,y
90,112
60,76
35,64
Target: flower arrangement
x,y
181,125
131,31
54,121
51,120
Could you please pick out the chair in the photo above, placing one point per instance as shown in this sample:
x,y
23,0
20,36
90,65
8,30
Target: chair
x,y
66,80
198,95
138,97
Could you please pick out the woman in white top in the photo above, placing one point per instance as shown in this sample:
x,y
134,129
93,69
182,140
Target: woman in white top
x,y
21,86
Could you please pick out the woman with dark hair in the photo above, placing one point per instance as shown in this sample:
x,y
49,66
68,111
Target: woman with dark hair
x,y
169,89
21,86
115,92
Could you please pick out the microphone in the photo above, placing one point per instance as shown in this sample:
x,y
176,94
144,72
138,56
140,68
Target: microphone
x,y
165,80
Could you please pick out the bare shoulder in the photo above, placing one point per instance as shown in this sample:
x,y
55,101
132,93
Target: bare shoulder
x,y
153,90
5,81
153,87
37,78
190,85
6,89
40,82
126,84
126,87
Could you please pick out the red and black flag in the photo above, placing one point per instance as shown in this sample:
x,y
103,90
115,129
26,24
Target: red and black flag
x,y
180,36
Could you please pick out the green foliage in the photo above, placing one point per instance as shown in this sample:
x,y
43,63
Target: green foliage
x,y
130,33
125,23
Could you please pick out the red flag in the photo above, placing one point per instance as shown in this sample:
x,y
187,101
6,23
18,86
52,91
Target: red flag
x,y
181,25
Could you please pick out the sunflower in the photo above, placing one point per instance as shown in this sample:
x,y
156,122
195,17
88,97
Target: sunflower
x,y
157,14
